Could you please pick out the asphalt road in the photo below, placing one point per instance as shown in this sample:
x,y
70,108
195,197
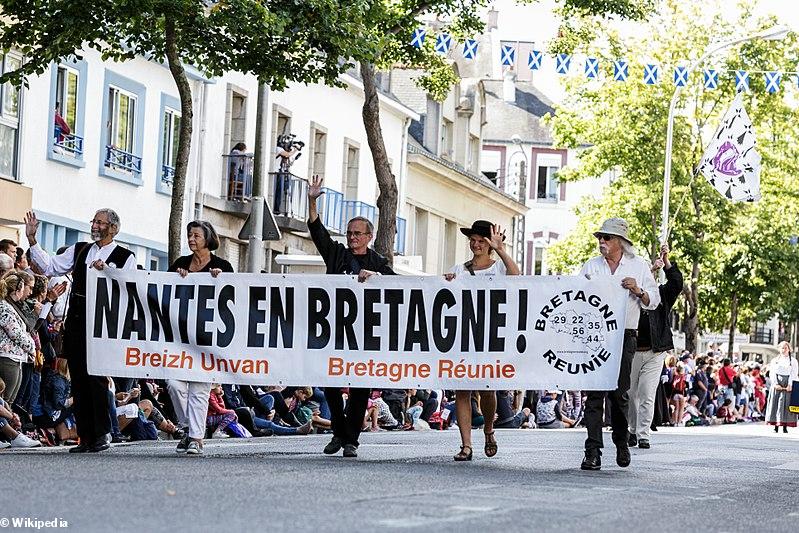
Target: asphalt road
x,y
733,478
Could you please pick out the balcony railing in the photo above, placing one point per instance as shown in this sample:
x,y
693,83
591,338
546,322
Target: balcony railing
x,y
763,336
122,160
167,175
238,176
68,142
290,195
399,239
331,210
356,208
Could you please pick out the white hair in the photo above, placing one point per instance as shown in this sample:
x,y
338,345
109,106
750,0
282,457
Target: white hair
x,y
627,249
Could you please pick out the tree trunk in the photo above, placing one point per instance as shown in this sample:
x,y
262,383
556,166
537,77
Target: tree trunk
x,y
388,198
184,140
733,322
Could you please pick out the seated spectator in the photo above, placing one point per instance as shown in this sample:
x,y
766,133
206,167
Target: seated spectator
x,y
266,421
726,413
305,409
506,418
679,385
9,426
380,415
219,417
548,413
56,404
693,415
395,399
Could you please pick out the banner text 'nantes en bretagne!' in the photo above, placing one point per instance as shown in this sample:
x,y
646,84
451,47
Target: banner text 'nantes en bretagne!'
x,y
475,332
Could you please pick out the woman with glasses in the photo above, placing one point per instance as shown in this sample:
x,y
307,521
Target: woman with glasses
x,y
190,399
484,240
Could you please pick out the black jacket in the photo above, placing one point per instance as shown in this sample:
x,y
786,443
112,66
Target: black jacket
x,y
339,259
659,320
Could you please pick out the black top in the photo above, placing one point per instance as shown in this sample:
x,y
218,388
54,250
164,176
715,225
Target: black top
x,y
184,262
118,257
654,327
339,259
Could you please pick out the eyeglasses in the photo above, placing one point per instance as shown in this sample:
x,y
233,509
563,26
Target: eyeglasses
x,y
357,234
605,237
99,223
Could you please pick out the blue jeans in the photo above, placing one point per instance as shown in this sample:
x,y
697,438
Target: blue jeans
x,y
277,429
112,411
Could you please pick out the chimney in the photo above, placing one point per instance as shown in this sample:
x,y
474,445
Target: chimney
x,y
509,86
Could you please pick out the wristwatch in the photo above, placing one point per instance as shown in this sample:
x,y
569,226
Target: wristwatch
x,y
642,294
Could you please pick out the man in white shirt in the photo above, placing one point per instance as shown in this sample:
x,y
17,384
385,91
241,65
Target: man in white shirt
x,y
90,393
618,260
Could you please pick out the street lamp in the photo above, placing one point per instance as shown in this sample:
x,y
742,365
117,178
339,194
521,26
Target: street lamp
x,y
772,34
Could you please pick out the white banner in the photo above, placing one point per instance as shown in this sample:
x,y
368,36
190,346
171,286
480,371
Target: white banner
x,y
475,332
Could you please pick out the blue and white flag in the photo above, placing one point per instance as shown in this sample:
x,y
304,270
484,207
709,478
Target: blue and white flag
x,y
470,49
711,79
534,59
731,163
681,76
418,37
562,63
591,67
741,81
620,70
773,81
508,55
651,74
443,43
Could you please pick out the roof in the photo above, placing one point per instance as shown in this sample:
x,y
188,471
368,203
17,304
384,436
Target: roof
x,y
522,117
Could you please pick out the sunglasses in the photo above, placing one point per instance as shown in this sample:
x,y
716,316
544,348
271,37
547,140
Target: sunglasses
x,y
605,237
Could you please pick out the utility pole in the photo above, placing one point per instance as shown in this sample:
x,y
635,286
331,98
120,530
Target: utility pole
x,y
255,250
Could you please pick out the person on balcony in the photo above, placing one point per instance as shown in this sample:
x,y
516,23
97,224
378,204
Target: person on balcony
x,y
61,126
237,178
354,259
283,176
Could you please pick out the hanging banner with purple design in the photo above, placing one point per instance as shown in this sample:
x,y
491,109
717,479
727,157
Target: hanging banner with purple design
x,y
731,163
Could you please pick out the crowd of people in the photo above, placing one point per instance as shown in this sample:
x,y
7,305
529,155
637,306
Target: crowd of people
x,y
48,398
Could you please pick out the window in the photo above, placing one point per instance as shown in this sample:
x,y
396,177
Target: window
x,y
547,183
420,235
170,136
473,163
351,160
538,260
66,99
9,119
316,165
450,244
122,119
237,124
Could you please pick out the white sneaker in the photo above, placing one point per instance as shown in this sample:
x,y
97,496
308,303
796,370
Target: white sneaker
x,y
21,441
4,444
219,435
194,448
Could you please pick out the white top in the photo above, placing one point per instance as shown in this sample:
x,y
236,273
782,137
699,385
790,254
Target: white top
x,y
58,265
784,366
497,269
629,267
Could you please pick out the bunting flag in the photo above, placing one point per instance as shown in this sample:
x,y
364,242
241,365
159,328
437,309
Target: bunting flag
x,y
470,49
651,73
508,55
620,70
443,43
773,81
711,79
741,81
591,67
681,76
562,63
534,59
418,38
731,163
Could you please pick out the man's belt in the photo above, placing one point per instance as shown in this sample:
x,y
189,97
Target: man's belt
x,y
630,332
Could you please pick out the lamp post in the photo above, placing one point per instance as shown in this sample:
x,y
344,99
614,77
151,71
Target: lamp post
x,y
772,34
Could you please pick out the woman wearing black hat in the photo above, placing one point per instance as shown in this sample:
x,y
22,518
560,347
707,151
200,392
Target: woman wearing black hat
x,y
484,239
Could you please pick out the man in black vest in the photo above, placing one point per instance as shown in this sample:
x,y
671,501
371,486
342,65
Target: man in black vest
x,y
355,258
90,393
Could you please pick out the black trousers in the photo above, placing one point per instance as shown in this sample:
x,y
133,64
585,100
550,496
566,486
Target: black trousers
x,y
347,424
89,393
619,399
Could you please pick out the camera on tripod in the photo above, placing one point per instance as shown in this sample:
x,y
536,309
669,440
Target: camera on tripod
x,y
287,143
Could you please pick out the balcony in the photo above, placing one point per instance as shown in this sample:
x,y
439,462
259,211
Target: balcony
x,y
289,200
238,177
167,175
121,160
762,336
67,143
331,210
356,208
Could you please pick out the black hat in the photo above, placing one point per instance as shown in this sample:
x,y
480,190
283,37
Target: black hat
x,y
481,228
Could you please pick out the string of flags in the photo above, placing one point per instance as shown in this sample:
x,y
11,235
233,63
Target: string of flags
x,y
621,70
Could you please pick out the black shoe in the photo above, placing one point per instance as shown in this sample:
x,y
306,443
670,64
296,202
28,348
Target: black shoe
x,y
350,450
183,445
632,440
623,456
654,428
776,429
116,439
80,448
785,429
333,446
101,444
643,443
592,460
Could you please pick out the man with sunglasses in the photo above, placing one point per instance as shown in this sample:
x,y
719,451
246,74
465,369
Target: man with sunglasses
x,y
90,393
354,259
617,259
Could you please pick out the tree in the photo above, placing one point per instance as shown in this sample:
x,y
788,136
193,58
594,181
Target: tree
x,y
277,41
391,27
624,125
